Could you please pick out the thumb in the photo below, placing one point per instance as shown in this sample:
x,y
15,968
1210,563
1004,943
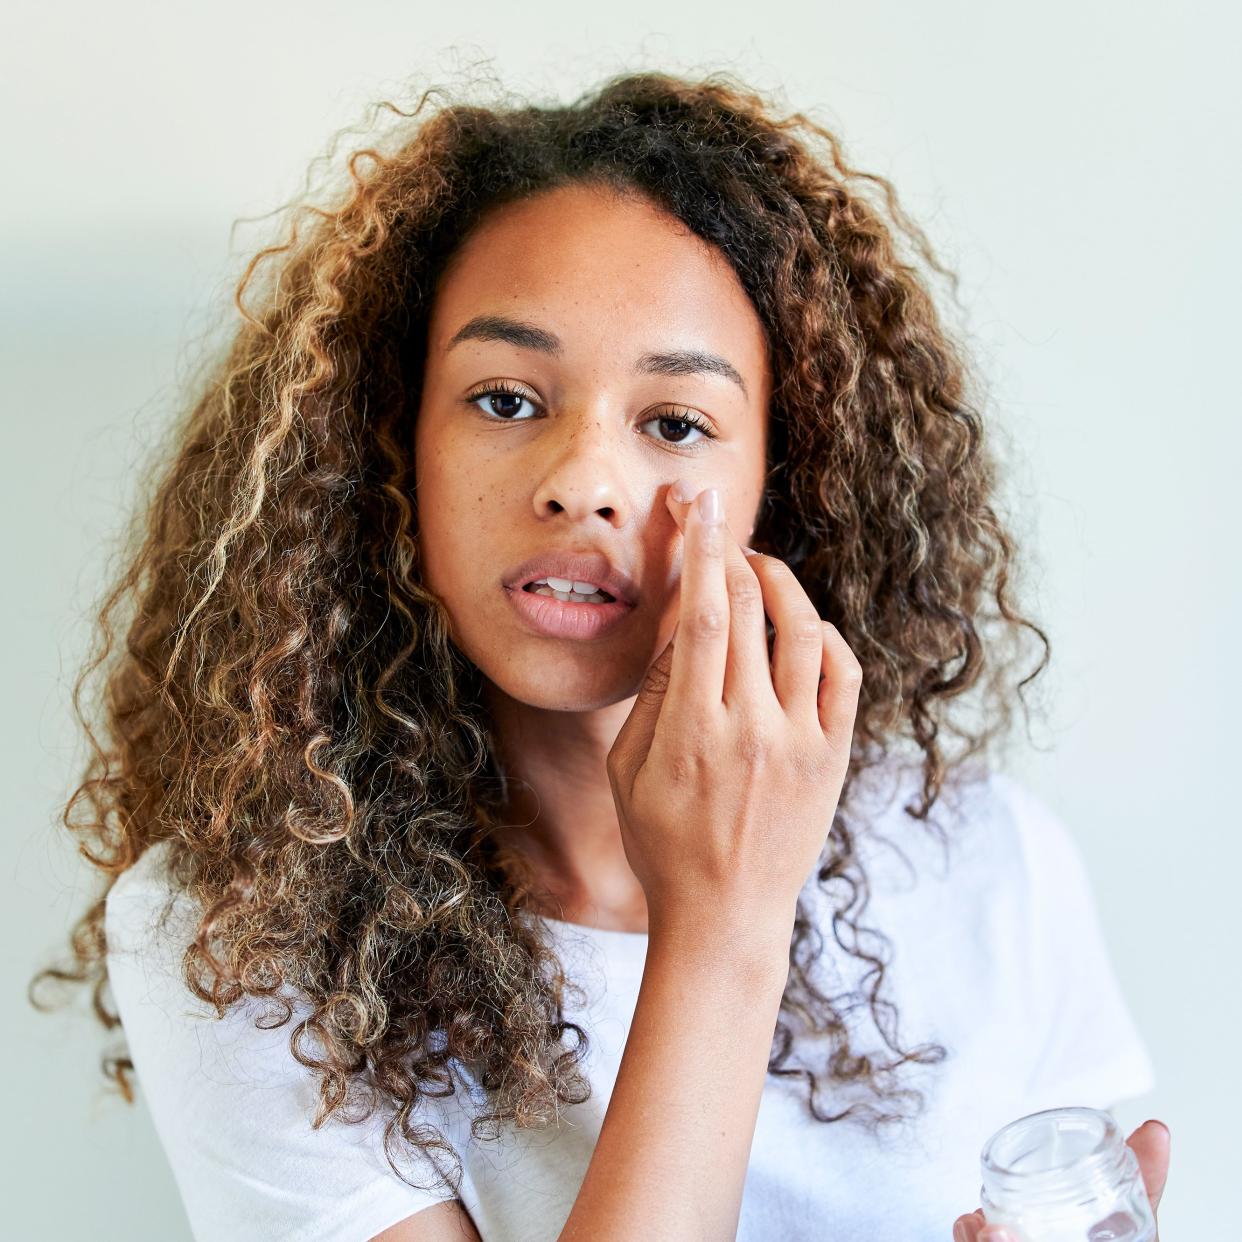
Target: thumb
x,y
633,740
1151,1143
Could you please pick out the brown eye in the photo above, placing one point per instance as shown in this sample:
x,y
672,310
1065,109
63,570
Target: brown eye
x,y
503,402
675,425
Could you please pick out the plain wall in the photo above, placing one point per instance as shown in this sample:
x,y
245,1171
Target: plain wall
x,y
1076,163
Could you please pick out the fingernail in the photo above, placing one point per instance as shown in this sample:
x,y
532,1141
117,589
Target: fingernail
x,y
683,491
750,551
709,505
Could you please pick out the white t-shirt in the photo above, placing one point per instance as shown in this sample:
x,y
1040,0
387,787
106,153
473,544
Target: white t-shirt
x,y
996,954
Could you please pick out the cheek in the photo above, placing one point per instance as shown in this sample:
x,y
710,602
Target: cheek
x,y
448,481
740,511
448,552
440,525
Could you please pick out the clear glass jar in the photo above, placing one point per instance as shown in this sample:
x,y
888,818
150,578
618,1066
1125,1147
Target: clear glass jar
x,y
1065,1175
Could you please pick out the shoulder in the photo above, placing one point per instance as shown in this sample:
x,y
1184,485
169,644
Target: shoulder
x,y
148,918
146,884
1047,859
993,874
983,830
233,1107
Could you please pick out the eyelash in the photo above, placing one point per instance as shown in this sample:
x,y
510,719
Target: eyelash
x,y
689,417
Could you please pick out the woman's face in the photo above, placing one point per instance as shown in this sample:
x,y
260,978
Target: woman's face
x,y
604,328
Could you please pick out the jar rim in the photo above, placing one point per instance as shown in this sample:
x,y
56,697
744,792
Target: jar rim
x,y
1053,1156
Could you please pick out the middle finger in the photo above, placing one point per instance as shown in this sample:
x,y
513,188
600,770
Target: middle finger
x,y
748,674
798,649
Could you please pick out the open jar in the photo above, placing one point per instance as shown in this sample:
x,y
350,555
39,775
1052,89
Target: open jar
x,y
1065,1175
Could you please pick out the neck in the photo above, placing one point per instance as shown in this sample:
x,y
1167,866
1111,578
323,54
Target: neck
x,y
560,809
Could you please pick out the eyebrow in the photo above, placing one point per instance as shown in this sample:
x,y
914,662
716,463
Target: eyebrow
x,y
530,336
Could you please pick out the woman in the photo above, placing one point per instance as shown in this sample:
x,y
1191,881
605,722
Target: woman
x,y
448,724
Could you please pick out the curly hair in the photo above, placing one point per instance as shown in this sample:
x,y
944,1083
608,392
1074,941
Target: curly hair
x,y
288,712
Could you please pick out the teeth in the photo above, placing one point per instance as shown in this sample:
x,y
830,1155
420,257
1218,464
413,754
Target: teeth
x,y
567,589
565,584
577,597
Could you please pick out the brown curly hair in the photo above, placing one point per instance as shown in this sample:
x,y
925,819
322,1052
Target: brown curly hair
x,y
288,711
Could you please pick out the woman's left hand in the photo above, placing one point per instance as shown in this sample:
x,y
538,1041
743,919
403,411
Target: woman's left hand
x,y
1150,1143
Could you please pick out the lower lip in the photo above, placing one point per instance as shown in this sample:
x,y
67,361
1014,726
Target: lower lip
x,y
567,618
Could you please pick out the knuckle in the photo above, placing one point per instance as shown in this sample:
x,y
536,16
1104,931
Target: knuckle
x,y
812,763
612,766
806,629
784,577
852,673
848,667
744,591
753,741
683,767
707,623
695,752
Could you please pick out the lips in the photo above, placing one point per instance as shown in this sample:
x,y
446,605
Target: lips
x,y
578,566
550,617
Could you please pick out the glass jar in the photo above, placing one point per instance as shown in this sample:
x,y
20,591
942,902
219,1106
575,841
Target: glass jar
x,y
1065,1175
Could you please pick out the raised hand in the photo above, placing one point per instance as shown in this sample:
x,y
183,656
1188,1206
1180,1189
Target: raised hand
x,y
727,772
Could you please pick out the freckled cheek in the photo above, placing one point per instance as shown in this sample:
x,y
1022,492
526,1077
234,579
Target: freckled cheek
x,y
467,536
455,497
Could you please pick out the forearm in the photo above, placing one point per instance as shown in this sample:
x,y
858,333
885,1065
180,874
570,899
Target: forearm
x,y
672,1154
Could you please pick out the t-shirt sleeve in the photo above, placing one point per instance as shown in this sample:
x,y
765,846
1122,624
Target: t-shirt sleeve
x,y
233,1108
1088,1048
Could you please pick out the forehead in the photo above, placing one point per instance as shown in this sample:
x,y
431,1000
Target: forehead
x,y
599,268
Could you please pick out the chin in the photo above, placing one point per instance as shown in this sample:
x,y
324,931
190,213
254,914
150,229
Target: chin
x,y
589,685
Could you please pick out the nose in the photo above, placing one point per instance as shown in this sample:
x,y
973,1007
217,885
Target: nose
x,y
586,477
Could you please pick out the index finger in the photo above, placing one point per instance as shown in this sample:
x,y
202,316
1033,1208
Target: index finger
x,y
696,679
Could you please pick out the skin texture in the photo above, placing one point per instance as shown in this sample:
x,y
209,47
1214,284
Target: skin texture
x,y
583,463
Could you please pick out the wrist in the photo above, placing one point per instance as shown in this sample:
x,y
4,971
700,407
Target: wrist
x,y
756,946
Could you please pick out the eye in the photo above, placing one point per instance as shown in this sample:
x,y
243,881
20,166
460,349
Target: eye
x,y
505,400
508,396
686,418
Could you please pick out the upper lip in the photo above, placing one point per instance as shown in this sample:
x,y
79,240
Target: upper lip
x,y
579,567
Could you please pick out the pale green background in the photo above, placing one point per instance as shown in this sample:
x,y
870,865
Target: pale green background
x,y
1076,162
